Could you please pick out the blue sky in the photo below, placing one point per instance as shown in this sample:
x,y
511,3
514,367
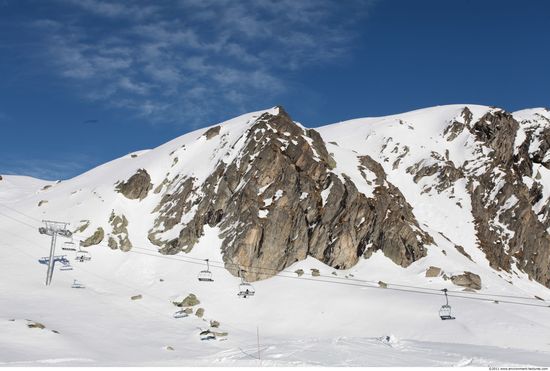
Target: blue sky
x,y
86,81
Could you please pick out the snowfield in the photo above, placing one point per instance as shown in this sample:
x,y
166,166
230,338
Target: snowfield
x,y
338,318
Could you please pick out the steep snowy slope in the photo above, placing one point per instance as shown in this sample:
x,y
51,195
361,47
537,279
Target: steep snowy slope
x,y
379,214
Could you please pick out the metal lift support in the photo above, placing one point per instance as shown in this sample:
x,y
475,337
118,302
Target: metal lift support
x,y
52,228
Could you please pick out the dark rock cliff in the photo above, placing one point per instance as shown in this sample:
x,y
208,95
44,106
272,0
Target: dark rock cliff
x,y
279,201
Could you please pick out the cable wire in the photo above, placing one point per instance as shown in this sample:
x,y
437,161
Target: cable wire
x,y
327,279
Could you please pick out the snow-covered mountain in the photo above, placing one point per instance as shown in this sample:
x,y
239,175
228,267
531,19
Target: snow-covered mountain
x,y
348,233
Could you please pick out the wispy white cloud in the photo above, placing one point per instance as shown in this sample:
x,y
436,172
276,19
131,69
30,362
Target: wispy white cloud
x,y
183,60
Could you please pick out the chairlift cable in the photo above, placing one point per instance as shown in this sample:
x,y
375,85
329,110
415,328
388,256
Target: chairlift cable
x,y
291,272
181,259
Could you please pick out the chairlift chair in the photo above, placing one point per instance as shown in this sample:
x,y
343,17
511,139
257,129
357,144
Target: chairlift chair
x,y
245,288
77,285
445,310
83,256
207,335
66,267
66,264
68,246
206,275
180,314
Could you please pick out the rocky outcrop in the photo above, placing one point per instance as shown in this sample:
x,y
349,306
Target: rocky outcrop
x,y
84,224
33,324
390,223
189,301
212,132
118,239
279,201
94,239
200,312
508,229
137,186
468,279
433,272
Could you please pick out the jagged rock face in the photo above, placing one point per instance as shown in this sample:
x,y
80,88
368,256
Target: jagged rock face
x,y
509,228
278,201
137,186
391,224
523,239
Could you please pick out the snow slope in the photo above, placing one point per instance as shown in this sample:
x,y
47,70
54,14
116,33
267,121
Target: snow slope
x,y
340,318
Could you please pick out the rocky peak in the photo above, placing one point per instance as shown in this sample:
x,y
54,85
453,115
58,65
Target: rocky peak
x,y
278,201
498,131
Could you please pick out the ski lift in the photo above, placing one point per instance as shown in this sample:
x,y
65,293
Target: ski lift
x,y
207,335
206,275
82,256
66,264
66,267
57,258
245,288
181,314
68,246
77,285
445,311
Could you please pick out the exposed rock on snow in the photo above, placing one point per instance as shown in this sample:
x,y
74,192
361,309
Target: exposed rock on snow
x,y
509,231
82,227
282,227
94,239
33,324
433,272
137,186
189,301
468,279
212,132
461,250
119,238
277,195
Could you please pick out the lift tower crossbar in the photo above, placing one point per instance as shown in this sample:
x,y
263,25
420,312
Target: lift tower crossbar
x,y
52,228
